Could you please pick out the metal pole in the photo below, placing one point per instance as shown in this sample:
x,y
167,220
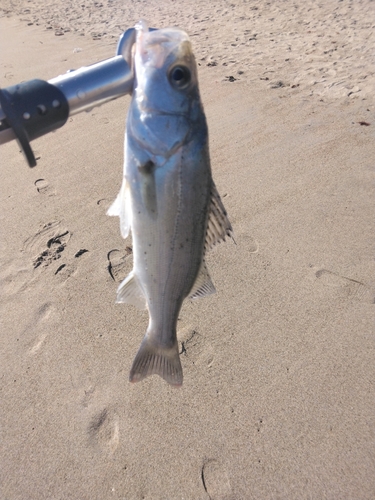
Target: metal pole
x,y
34,108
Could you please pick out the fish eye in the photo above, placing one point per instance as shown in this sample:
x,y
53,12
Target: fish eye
x,y
180,77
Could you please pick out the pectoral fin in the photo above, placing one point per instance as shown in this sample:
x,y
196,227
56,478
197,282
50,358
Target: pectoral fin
x,y
203,285
121,207
130,292
148,188
218,226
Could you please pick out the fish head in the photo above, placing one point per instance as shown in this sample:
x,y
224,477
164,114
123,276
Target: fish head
x,y
166,110
165,71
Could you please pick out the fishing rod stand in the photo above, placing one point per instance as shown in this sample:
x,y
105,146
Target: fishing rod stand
x,y
31,109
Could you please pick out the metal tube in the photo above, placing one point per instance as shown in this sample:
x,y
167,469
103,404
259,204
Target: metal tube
x,y
87,87
94,85
24,115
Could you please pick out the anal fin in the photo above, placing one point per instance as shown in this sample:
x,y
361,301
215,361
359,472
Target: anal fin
x,y
129,292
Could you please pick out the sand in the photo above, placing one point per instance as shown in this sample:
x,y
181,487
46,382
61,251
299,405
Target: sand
x,y
278,396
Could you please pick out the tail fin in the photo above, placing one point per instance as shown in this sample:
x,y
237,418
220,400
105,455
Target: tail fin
x,y
151,360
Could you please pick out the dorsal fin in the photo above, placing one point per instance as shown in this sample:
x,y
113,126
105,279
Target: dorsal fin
x,y
218,226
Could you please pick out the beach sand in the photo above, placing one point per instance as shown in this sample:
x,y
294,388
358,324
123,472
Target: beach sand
x,y
278,394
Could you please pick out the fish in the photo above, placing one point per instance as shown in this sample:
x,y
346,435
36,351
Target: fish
x,y
168,200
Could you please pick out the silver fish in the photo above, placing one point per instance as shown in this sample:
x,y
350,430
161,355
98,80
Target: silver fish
x,y
167,199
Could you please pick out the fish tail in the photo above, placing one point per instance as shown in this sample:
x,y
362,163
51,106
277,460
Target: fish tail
x,y
161,361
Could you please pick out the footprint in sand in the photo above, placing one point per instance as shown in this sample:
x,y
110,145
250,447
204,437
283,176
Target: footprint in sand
x,y
189,340
348,287
252,245
39,250
104,203
67,270
48,245
104,431
15,277
40,238
55,246
216,481
42,315
50,241
194,349
86,399
120,263
43,187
